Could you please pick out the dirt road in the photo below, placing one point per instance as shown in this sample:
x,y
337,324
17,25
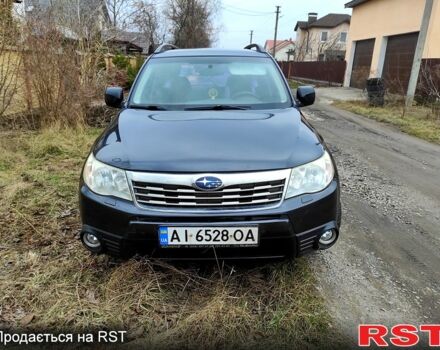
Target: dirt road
x,y
386,266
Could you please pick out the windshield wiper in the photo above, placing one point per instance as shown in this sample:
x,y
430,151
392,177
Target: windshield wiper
x,y
149,107
217,108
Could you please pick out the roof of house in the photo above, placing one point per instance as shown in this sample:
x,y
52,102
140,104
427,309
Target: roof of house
x,y
280,44
122,36
301,24
355,3
329,21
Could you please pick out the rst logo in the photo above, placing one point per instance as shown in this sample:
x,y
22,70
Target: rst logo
x,y
402,335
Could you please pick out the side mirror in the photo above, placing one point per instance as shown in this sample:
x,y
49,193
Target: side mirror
x,y
114,96
305,95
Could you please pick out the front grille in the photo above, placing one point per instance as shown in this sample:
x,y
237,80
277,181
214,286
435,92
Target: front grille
x,y
236,195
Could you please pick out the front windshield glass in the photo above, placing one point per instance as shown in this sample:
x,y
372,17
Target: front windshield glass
x,y
180,83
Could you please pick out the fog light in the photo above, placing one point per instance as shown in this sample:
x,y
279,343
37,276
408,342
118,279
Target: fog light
x,y
91,241
328,237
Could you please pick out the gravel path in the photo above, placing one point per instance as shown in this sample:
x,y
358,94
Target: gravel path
x,y
386,266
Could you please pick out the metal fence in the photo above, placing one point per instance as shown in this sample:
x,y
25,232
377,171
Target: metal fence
x,y
331,72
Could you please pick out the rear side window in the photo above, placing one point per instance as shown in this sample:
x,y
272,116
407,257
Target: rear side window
x,y
181,82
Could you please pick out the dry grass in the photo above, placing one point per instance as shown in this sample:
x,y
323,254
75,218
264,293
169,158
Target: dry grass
x,y
47,277
294,84
418,121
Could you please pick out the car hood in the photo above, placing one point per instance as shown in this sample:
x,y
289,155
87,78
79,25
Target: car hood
x,y
208,141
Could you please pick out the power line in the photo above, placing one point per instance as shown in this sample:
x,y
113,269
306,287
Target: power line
x,y
246,10
244,13
287,21
234,31
265,23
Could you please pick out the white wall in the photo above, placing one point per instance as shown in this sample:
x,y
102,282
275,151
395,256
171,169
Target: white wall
x,y
281,55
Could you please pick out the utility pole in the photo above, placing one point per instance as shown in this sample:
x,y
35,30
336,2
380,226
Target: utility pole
x,y
276,32
252,35
291,52
415,71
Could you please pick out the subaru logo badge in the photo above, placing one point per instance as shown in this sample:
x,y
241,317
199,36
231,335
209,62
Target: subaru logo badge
x,y
208,183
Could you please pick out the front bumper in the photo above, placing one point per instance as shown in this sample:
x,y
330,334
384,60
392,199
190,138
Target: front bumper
x,y
291,229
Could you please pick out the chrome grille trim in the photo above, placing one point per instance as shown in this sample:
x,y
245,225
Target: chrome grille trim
x,y
196,191
211,197
195,204
240,191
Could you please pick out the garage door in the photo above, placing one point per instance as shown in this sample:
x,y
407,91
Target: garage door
x,y
363,55
399,59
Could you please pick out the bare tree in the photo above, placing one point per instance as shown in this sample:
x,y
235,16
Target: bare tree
x,y
429,87
301,51
331,49
313,47
64,59
120,12
192,22
147,20
78,19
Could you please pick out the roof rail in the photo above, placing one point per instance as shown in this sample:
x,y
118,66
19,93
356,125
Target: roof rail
x,y
165,47
254,46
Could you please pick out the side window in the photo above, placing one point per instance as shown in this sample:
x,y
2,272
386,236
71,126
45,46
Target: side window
x,y
343,37
324,36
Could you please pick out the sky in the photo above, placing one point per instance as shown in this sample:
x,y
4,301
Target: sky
x,y
237,18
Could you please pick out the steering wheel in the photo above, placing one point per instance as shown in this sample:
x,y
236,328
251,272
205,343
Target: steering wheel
x,y
244,94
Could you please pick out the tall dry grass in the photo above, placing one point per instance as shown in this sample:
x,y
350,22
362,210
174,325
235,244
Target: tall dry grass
x,y
51,64
66,75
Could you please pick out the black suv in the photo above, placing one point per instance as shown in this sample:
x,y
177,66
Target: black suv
x,y
209,158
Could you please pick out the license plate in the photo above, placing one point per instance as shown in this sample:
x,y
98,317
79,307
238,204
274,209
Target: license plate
x,y
170,236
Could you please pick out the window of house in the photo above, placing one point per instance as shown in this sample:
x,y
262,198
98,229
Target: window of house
x,y
343,37
324,36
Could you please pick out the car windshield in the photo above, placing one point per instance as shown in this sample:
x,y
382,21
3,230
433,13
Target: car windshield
x,y
185,83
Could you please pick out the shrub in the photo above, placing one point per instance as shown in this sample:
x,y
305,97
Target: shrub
x,y
121,62
133,70
64,73
125,71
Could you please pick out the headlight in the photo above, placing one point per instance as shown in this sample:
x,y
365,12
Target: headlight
x,y
311,177
106,180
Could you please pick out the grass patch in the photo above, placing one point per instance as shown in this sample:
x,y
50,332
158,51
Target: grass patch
x,y
294,84
417,121
50,283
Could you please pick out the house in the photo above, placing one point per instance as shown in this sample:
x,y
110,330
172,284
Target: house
x,y
94,18
284,49
322,39
383,38
92,15
127,42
